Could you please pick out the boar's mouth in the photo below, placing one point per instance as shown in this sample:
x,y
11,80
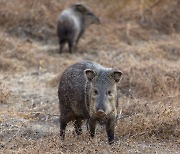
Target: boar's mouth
x,y
100,114
97,114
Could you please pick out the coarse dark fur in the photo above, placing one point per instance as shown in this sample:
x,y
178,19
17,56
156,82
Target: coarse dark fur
x,y
88,90
72,23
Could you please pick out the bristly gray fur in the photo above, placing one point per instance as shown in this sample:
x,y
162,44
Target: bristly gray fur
x,y
77,101
72,23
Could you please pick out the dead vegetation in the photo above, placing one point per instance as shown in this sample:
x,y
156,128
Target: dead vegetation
x,y
139,37
5,94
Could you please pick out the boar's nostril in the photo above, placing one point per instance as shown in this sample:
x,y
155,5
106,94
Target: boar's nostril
x,y
100,111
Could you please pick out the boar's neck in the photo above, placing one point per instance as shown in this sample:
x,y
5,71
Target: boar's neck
x,y
87,97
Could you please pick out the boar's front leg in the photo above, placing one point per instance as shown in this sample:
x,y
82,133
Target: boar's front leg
x,y
92,126
110,130
62,129
77,125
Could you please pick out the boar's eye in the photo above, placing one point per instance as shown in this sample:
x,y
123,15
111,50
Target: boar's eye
x,y
95,92
109,93
90,14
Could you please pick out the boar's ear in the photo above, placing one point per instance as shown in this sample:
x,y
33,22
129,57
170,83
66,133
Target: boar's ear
x,y
116,75
90,74
81,8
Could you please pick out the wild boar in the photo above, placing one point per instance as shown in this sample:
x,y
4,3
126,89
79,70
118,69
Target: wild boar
x,y
87,90
72,23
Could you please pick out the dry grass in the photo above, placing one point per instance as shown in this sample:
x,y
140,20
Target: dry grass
x,y
5,94
139,37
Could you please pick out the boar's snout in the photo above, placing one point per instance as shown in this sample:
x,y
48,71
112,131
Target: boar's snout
x,y
100,113
97,21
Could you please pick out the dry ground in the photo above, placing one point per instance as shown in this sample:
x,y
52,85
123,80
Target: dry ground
x,y
139,37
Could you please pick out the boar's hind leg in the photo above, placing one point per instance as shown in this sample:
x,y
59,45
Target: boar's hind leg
x,y
79,36
92,126
72,46
110,131
77,125
61,43
65,117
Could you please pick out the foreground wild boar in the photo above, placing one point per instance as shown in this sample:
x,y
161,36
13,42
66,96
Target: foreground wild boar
x,y
72,22
88,90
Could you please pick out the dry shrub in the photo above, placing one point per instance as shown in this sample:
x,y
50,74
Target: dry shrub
x,y
16,55
147,120
55,81
6,65
171,52
115,9
27,12
32,19
5,94
162,16
52,144
150,82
